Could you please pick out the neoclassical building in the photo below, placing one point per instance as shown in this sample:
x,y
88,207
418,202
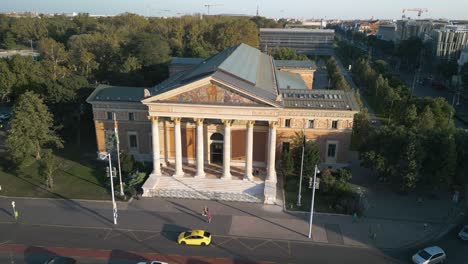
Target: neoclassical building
x,y
216,128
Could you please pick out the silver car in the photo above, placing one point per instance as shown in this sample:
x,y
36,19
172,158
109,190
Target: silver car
x,y
430,255
463,234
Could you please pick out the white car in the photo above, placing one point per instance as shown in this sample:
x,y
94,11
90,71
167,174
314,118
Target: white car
x,y
152,262
463,235
430,255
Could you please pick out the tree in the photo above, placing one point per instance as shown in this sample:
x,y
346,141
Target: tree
x,y
380,66
311,154
54,57
127,163
49,165
287,163
286,54
327,181
7,80
31,129
234,32
149,49
426,119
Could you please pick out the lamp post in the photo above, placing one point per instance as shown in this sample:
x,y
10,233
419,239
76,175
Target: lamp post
x,y
302,166
114,205
313,199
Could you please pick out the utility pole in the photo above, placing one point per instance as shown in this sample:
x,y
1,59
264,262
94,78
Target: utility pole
x,y
314,186
114,205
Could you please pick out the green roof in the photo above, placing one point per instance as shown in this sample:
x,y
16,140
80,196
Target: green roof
x,y
186,61
288,80
118,93
302,64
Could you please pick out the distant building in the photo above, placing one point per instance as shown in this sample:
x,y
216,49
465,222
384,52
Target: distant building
x,y
463,57
387,32
317,23
11,53
418,28
305,41
448,43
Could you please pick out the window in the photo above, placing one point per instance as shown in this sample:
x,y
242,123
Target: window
x,y
331,150
311,123
285,147
132,140
287,123
131,116
334,124
109,115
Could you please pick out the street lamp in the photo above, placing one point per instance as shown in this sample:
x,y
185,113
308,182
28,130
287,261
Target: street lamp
x,y
314,186
114,205
302,166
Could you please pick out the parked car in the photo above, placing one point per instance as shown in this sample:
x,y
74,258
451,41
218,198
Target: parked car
x,y
430,255
463,234
60,260
153,262
194,237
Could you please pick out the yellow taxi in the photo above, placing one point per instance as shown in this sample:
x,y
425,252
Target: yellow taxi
x,y
194,237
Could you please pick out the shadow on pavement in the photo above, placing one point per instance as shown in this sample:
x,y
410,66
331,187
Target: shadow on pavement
x,y
171,232
6,212
38,255
188,211
120,257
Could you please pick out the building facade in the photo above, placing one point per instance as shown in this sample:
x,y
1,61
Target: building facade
x,y
305,41
449,42
222,125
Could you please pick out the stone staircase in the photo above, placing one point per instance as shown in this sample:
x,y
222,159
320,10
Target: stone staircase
x,y
208,189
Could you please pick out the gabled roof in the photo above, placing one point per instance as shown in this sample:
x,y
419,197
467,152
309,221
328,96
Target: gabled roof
x,y
186,61
249,66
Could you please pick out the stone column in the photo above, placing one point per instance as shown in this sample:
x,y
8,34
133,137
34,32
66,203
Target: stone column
x,y
200,149
178,148
155,140
272,152
249,151
227,150
270,183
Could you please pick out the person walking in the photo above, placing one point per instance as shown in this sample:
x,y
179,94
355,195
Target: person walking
x,y
209,216
205,211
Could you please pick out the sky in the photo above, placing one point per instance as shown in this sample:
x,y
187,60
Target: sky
x,y
342,9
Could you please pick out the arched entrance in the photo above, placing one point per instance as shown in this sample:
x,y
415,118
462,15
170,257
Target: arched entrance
x,y
216,148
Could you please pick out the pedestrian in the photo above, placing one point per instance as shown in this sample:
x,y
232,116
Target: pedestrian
x,y
209,217
205,210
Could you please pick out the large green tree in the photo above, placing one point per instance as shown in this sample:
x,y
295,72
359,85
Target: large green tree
x,y
31,129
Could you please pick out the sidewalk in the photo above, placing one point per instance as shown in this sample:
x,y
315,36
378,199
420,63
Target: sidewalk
x,y
229,219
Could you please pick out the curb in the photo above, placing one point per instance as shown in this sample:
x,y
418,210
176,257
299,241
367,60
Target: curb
x,y
63,199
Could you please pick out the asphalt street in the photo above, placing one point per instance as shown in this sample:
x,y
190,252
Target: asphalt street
x,y
239,248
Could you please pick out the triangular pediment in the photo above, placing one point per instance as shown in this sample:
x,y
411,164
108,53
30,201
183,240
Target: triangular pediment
x,y
208,92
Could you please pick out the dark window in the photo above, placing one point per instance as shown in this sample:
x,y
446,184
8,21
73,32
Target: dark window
x,y
217,136
133,141
109,115
335,124
331,150
131,116
311,123
287,123
285,147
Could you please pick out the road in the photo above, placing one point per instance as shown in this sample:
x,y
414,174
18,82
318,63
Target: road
x,y
120,242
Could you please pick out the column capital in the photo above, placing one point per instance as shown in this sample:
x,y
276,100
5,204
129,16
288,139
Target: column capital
x,y
199,121
273,124
153,118
176,119
227,122
250,123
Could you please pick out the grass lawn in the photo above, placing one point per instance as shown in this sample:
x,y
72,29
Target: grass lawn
x,y
322,202
78,178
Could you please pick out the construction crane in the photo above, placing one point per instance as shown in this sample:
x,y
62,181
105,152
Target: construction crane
x,y
210,5
419,10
